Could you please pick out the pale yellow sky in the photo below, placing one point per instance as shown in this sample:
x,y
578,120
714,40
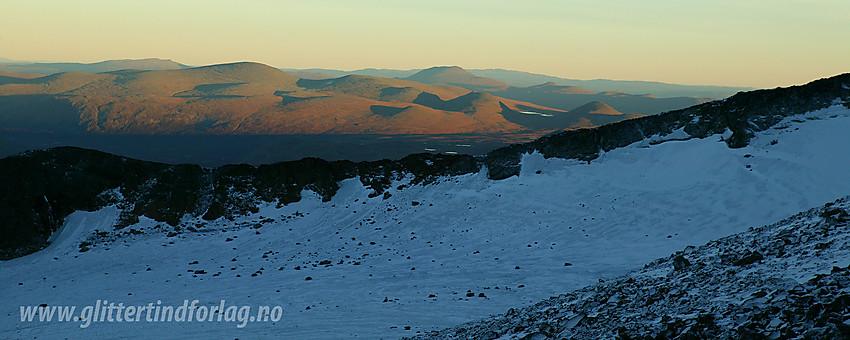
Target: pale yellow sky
x,y
760,43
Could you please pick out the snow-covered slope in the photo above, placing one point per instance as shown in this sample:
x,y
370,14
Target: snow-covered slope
x,y
787,280
559,226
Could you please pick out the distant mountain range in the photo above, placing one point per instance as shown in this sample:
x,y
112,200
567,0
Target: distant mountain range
x,y
113,105
658,89
326,73
104,66
252,98
503,83
525,79
551,94
511,77
456,76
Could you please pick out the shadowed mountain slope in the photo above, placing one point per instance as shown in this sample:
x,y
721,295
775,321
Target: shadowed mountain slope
x,y
571,97
586,116
551,94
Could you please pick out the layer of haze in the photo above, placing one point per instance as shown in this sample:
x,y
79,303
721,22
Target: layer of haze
x,y
760,43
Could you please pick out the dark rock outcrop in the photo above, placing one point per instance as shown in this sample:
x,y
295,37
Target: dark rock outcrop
x,y
39,189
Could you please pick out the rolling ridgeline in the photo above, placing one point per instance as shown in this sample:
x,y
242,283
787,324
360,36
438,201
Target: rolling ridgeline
x,y
163,97
40,188
163,111
252,99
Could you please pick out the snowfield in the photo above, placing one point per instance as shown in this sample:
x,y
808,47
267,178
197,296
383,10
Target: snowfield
x,y
559,226
788,280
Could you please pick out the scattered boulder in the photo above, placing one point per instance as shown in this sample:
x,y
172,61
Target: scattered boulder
x,y
680,262
749,258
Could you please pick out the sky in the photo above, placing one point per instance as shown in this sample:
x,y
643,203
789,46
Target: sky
x,y
758,43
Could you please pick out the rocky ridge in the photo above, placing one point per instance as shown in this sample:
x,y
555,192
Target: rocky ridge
x,y
41,188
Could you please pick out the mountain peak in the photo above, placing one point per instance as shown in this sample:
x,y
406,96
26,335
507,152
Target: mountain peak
x,y
596,107
241,66
456,76
455,67
443,72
